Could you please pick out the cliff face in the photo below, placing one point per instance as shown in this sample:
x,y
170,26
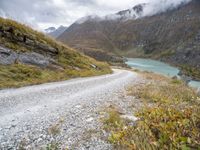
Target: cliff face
x,y
172,36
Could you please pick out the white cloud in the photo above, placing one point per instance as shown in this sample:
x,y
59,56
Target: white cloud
x,y
41,14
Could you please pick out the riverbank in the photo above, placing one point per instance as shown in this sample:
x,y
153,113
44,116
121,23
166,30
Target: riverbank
x,y
160,68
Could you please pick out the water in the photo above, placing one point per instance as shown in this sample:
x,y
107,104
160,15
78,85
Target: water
x,y
157,67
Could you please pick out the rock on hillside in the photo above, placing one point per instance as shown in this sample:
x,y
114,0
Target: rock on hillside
x,y
172,36
29,57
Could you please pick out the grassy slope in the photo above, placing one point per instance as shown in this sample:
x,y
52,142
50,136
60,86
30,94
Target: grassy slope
x,y
169,119
74,63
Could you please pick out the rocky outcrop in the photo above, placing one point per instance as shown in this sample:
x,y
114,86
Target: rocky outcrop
x,y
9,57
30,42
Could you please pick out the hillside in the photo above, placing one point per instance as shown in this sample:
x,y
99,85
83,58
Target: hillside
x,y
172,36
29,57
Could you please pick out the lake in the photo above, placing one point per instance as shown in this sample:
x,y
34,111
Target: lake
x,y
157,67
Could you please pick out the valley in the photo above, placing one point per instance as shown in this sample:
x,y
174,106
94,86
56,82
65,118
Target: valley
x,y
171,36
110,81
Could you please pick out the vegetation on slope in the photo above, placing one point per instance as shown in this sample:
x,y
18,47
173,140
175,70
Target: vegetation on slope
x,y
18,75
172,36
191,71
169,118
21,38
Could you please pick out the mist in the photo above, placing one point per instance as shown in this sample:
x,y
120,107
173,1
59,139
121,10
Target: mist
x,y
155,6
41,14
150,7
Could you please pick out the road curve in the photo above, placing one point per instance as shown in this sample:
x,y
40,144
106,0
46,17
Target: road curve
x,y
27,114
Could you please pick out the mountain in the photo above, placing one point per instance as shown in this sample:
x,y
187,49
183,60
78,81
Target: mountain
x,y
134,13
172,36
29,57
52,31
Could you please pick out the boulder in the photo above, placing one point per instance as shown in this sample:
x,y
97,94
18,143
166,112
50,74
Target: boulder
x,y
47,48
34,59
7,56
93,66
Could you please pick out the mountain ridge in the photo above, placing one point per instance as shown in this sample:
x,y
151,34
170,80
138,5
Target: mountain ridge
x,y
170,36
55,32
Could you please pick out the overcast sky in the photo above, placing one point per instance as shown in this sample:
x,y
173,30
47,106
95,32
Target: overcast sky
x,y
41,14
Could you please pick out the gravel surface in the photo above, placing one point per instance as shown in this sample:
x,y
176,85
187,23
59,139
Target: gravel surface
x,y
65,113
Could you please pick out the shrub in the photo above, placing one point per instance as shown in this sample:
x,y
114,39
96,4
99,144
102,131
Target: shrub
x,y
169,119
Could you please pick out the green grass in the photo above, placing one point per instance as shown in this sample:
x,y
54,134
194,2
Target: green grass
x,y
168,120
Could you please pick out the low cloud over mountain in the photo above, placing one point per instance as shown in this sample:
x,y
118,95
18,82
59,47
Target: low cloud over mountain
x,y
42,14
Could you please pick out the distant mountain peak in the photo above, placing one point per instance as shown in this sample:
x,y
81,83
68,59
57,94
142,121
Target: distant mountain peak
x,y
49,30
133,13
52,31
139,11
139,8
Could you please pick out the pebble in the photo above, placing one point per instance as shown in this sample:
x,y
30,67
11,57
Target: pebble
x,y
89,119
129,117
78,100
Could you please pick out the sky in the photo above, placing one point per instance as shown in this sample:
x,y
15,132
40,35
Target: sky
x,y
41,14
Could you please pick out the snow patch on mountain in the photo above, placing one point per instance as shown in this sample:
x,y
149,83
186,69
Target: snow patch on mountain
x,y
141,10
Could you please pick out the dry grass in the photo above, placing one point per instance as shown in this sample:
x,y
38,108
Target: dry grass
x,y
19,75
170,122
73,63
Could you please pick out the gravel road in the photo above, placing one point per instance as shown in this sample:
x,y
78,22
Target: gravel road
x,y
62,113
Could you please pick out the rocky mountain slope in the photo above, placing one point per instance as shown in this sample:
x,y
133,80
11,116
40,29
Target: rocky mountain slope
x,y
172,36
52,31
29,57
